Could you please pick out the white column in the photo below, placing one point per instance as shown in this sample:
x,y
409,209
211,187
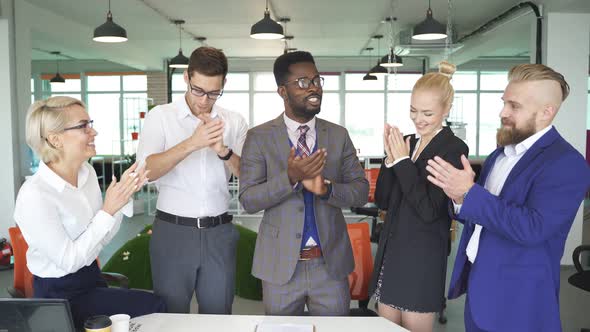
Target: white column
x,y
8,118
566,50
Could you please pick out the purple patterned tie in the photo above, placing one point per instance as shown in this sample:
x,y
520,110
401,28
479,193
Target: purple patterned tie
x,y
302,142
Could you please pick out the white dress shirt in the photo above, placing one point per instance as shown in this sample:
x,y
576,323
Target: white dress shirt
x,y
198,185
63,225
503,165
293,131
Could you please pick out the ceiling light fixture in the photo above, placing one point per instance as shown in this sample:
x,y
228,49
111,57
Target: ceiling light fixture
x,y
429,29
391,59
57,78
378,70
110,32
179,61
368,76
266,28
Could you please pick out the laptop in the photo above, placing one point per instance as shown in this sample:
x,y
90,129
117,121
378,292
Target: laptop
x,y
35,315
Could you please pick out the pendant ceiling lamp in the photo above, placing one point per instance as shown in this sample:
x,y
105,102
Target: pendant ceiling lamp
x,y
368,76
391,59
179,61
378,70
57,78
429,29
110,32
266,28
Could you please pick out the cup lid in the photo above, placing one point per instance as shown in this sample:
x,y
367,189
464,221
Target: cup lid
x,y
97,322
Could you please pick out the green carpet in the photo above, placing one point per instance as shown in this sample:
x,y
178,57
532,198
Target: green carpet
x,y
133,260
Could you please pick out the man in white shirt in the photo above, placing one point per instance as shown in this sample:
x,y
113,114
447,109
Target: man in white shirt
x,y
191,147
519,213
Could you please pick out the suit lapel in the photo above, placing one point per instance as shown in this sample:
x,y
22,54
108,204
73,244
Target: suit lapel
x,y
281,139
531,154
322,134
437,144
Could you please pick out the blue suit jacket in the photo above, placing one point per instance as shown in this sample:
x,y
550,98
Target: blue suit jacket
x,y
514,283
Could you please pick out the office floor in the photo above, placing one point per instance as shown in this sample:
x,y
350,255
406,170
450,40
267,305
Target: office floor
x,y
575,303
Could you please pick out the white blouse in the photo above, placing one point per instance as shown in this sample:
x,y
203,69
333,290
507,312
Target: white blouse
x,y
64,225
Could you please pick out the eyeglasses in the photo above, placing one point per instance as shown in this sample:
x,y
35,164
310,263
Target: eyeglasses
x,y
86,124
198,92
305,82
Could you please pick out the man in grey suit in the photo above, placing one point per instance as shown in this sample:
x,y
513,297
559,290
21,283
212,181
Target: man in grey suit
x,y
301,170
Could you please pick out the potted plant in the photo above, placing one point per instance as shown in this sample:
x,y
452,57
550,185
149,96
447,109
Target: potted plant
x,y
134,133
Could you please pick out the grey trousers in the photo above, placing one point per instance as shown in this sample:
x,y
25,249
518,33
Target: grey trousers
x,y
310,285
187,260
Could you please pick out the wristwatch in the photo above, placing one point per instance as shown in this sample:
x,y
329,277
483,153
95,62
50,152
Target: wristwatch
x,y
227,156
328,184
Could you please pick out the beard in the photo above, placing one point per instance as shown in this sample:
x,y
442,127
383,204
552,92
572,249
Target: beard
x,y
512,135
301,110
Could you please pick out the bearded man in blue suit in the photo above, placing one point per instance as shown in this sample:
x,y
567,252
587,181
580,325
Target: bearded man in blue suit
x,y
518,215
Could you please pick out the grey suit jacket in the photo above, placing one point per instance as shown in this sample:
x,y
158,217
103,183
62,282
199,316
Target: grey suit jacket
x,y
264,185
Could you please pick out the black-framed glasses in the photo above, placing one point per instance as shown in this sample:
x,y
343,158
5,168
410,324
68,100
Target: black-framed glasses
x,y
305,82
198,92
86,124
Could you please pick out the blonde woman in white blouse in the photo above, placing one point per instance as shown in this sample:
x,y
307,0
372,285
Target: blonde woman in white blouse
x,y
62,216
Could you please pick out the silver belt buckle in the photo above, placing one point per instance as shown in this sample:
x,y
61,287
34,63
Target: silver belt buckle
x,y
199,223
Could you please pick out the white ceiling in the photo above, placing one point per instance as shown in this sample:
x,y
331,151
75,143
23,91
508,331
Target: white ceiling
x,y
334,28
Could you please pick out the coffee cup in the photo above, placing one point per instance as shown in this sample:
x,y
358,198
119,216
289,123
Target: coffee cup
x,y
99,323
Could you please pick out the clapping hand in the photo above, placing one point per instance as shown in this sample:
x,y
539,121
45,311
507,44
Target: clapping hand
x,y
119,193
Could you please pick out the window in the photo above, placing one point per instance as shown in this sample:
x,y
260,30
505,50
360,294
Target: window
x,y
364,121
489,121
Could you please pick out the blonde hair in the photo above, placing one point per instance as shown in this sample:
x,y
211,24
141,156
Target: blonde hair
x,y
439,82
43,118
538,72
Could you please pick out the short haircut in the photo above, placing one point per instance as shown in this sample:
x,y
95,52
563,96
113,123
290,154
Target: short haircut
x,y
538,72
439,82
282,63
43,118
208,61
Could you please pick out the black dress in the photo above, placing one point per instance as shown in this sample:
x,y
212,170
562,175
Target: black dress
x,y
414,244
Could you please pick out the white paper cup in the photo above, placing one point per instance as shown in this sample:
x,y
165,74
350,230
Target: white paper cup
x,y
120,323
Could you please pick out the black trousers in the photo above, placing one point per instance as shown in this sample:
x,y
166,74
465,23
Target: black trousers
x,y
89,295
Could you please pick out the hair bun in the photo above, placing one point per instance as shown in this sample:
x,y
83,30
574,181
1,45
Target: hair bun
x,y
446,68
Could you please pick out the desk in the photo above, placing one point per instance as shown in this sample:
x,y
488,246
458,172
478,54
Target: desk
x,y
247,323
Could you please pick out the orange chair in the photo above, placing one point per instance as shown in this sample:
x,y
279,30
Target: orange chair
x,y
363,267
23,278
372,174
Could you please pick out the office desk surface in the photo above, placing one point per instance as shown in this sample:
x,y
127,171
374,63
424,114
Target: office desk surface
x,y
248,323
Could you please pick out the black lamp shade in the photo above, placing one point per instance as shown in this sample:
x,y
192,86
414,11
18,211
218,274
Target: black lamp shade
x,y
429,29
378,71
391,60
369,77
266,28
179,61
57,79
110,32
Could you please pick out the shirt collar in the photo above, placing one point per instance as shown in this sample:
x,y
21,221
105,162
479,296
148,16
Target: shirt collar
x,y
522,147
293,125
183,110
56,181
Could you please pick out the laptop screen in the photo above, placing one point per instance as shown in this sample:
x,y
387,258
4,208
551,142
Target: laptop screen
x,y
35,315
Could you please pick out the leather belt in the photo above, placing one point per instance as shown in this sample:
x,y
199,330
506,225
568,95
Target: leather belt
x,y
308,253
202,222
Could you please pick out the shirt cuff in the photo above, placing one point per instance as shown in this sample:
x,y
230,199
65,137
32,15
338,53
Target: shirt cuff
x,y
127,210
395,162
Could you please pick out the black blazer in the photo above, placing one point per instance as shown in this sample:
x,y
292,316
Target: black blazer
x,y
414,243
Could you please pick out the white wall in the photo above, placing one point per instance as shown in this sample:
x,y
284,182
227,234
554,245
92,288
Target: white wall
x,y
566,50
8,131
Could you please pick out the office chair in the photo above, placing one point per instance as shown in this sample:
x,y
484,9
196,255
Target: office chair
x,y
23,279
363,268
581,278
370,210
